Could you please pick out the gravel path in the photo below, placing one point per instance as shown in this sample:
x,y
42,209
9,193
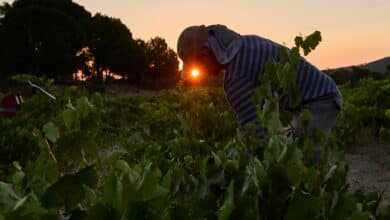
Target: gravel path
x,y
369,168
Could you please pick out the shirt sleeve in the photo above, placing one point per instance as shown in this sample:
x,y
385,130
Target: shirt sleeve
x,y
240,91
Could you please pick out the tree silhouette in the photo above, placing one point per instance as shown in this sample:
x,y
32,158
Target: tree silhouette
x,y
42,37
56,38
4,8
112,48
163,64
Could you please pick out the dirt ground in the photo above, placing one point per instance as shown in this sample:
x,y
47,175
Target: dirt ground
x,y
369,168
124,89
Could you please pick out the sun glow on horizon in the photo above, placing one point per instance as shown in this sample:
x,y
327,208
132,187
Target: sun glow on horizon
x,y
79,75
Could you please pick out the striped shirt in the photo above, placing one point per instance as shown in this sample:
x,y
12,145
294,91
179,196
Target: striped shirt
x,y
243,71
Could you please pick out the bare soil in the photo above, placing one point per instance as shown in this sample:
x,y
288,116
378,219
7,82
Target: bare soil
x,y
129,90
369,168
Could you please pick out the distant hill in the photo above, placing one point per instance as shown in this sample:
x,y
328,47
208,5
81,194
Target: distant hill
x,y
379,66
378,69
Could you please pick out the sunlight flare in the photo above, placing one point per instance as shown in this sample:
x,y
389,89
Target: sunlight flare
x,y
195,73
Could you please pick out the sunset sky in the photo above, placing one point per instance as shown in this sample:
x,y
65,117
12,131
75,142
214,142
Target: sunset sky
x,y
353,31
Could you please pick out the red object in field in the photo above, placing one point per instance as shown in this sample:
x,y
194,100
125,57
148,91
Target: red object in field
x,y
11,104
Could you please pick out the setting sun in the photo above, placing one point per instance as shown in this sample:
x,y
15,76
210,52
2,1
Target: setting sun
x,y
195,73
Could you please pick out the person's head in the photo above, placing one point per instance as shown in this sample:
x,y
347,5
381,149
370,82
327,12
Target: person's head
x,y
191,49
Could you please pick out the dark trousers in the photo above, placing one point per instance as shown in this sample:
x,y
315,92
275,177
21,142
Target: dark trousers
x,y
324,112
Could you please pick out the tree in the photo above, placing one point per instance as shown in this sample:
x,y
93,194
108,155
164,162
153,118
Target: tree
x,y
163,64
4,8
41,37
139,63
112,48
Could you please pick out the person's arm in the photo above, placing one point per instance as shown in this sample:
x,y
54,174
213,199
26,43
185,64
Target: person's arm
x,y
240,93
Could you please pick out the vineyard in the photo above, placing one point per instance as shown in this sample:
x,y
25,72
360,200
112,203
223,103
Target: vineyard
x,y
180,155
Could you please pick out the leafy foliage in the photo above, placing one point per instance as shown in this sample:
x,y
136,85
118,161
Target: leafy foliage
x,y
162,69
309,43
112,48
365,111
354,75
174,156
41,37
57,38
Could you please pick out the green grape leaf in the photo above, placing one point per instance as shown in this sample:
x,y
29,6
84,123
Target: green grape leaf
x,y
149,186
51,131
70,118
303,207
68,189
227,208
8,196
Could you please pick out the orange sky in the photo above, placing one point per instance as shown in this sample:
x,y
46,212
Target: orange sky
x,y
353,31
